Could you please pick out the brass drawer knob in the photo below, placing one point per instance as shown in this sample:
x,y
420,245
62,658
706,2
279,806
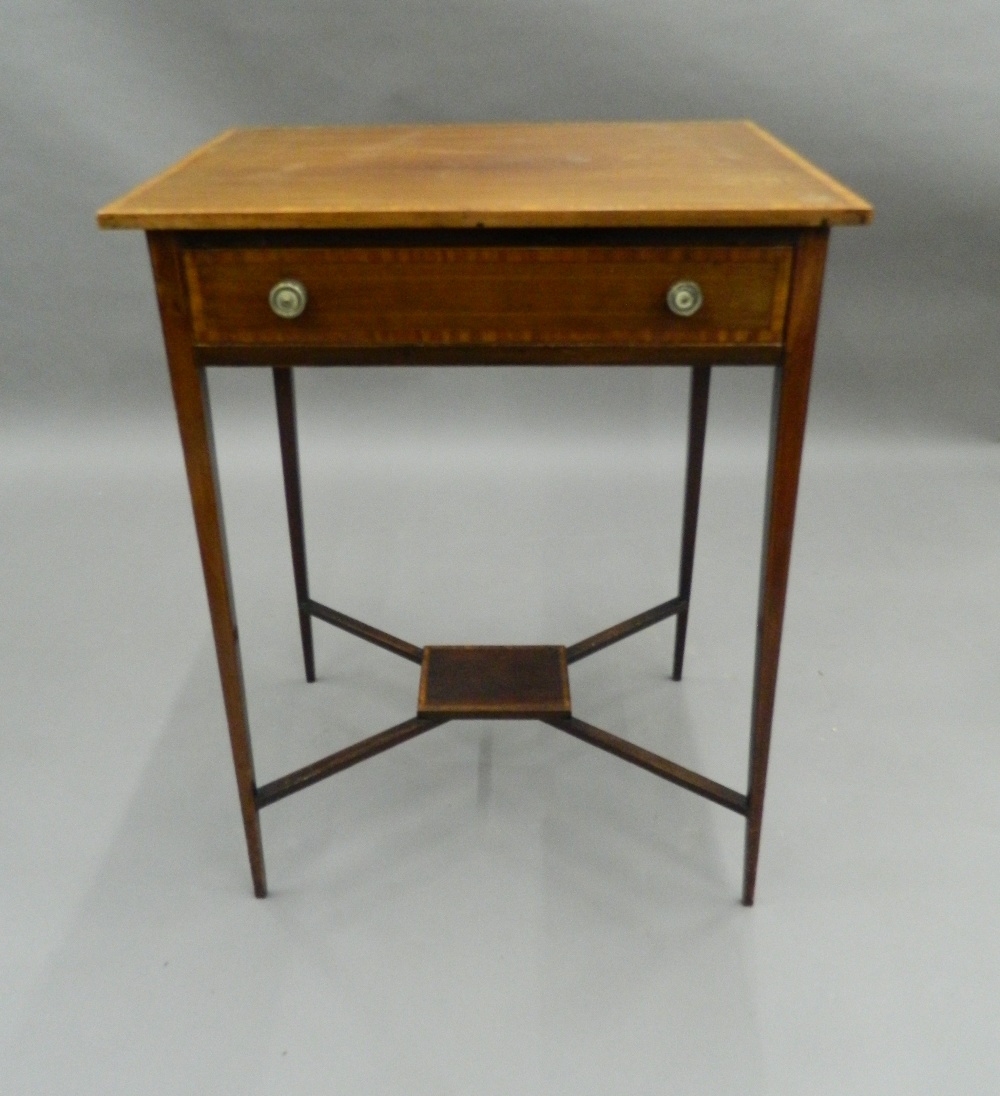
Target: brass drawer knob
x,y
288,299
684,298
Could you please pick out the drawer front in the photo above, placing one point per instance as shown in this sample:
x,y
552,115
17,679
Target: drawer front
x,y
490,296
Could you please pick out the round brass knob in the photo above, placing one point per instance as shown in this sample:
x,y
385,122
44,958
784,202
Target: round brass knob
x,y
684,298
288,299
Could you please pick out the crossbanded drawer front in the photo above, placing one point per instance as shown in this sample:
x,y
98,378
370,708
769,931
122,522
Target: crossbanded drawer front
x,y
490,296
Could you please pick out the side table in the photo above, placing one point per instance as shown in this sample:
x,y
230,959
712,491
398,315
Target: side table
x,y
687,243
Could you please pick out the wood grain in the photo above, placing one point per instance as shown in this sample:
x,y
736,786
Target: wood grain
x,y
788,424
496,296
494,683
601,174
194,420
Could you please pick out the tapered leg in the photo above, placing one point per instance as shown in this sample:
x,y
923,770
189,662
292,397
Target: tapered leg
x,y
284,395
788,420
697,420
194,419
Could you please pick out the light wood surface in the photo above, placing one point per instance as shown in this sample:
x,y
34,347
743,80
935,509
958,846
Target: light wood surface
x,y
585,174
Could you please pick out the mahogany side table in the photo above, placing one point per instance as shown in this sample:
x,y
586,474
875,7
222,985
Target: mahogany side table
x,y
687,243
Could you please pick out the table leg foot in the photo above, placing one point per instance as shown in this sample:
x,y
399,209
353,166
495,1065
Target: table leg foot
x,y
751,851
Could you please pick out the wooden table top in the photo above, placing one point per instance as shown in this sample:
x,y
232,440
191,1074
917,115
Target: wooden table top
x,y
511,175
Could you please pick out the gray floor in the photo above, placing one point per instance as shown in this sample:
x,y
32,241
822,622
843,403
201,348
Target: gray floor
x,y
498,908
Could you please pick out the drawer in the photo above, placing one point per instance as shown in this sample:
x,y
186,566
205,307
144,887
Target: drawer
x,y
525,296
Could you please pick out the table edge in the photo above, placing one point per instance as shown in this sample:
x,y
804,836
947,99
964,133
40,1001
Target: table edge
x,y
854,209
860,214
